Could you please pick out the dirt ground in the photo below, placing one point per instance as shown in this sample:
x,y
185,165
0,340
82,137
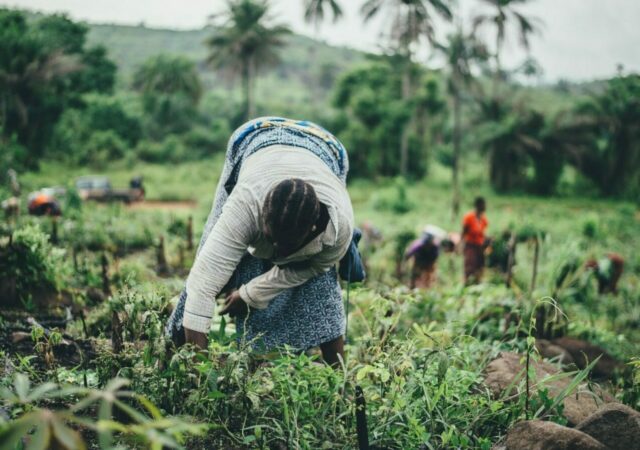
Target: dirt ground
x,y
162,205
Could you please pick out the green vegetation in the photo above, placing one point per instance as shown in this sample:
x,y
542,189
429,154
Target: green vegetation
x,y
171,107
85,297
245,44
418,356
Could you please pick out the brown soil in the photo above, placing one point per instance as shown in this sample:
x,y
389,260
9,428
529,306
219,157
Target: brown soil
x,y
15,338
163,205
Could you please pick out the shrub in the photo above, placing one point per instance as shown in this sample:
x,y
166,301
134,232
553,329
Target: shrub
x,y
102,147
171,149
205,141
28,261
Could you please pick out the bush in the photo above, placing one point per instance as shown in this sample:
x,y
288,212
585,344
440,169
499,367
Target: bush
x,y
102,147
12,156
399,203
28,261
171,149
590,228
205,141
99,132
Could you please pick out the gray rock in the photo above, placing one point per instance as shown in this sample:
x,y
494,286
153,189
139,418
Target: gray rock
x,y
19,336
584,352
504,377
552,351
539,435
615,425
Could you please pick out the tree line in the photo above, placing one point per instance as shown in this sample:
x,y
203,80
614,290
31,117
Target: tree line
x,y
396,113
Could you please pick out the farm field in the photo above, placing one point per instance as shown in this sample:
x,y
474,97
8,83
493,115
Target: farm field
x,y
92,298
114,120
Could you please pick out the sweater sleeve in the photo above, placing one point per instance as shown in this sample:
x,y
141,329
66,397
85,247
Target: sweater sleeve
x,y
218,258
261,290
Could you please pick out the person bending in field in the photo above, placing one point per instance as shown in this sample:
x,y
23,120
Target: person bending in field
x,y
474,224
424,253
281,220
608,271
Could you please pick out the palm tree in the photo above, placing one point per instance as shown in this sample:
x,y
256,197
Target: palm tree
x,y
511,138
245,42
171,89
460,52
411,22
602,137
169,75
504,13
314,11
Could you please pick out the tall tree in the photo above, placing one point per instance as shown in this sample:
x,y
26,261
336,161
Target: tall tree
x,y
511,138
173,75
460,53
411,21
171,89
44,69
602,138
315,12
504,13
373,116
246,42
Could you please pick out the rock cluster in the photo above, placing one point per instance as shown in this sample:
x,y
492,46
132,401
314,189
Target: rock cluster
x,y
613,427
571,351
599,423
504,376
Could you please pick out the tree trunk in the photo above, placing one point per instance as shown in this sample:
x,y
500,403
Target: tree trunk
x,y
247,81
404,139
315,79
498,75
251,107
455,166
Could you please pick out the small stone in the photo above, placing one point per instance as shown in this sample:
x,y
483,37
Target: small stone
x,y
19,336
504,375
615,425
539,435
584,352
552,351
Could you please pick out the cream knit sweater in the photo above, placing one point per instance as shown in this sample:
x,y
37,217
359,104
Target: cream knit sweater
x,y
239,230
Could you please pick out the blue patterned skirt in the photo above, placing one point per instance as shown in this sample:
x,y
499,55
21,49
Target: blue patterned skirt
x,y
301,317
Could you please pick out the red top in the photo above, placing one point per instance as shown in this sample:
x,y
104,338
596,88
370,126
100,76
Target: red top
x,y
474,228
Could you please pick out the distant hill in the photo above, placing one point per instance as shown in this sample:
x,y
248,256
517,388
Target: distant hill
x,y
303,59
308,68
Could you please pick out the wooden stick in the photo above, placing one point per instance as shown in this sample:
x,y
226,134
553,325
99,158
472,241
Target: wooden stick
x,y
163,269
54,230
536,253
361,420
190,233
104,262
116,332
512,247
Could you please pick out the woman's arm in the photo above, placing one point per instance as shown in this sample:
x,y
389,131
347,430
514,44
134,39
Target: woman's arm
x,y
218,258
261,290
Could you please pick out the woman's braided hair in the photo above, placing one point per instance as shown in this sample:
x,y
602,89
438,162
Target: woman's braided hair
x,y
290,210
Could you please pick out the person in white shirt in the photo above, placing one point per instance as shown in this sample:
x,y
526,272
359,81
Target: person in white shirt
x,y
281,221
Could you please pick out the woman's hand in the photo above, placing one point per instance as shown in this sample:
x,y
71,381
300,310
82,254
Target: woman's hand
x,y
234,305
195,337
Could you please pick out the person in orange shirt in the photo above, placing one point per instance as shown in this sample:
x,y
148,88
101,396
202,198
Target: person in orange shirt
x,y
44,205
474,224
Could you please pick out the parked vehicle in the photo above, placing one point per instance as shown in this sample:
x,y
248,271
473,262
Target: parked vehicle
x,y
99,188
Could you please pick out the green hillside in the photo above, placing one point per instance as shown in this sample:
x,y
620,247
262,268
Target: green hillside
x,y
303,59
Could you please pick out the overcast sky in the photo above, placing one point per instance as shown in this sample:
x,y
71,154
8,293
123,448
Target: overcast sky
x,y
581,39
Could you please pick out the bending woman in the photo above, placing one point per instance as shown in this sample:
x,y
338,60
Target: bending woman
x,y
280,222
